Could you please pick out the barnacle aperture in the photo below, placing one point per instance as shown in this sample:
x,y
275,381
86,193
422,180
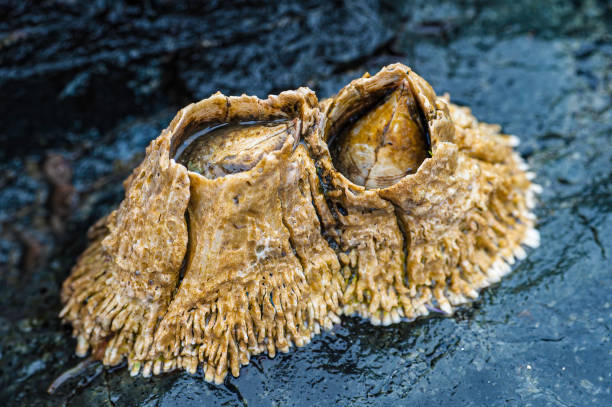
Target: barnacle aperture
x,y
387,143
233,148
251,224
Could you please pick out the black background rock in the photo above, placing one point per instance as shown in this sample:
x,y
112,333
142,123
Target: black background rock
x,y
94,82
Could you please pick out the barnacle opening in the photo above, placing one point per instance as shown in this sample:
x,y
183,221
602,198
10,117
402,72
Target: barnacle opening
x,y
231,148
383,142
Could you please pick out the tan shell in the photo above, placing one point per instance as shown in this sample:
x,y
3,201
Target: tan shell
x,y
436,236
193,271
258,276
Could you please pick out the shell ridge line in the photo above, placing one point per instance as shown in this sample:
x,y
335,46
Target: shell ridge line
x,y
405,232
300,264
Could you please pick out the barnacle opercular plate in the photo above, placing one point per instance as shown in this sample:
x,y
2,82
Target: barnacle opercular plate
x,y
387,143
251,224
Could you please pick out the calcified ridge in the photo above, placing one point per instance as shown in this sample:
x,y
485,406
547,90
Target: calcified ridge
x,y
207,271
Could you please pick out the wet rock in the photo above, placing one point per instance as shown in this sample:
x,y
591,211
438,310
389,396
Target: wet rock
x,y
91,65
63,197
33,254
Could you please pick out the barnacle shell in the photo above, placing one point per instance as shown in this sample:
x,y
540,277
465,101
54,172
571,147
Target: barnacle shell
x,y
251,224
258,275
432,238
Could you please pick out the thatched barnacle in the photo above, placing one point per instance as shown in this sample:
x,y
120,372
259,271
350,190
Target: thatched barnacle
x,y
251,224
428,204
257,275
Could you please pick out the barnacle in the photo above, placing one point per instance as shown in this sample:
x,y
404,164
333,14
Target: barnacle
x,y
257,274
251,224
425,220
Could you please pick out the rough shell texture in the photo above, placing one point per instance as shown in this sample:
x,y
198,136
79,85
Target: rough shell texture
x,y
435,237
193,271
258,275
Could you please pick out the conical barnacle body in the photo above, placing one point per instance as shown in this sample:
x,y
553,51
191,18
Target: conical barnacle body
x,y
432,236
258,275
245,288
251,224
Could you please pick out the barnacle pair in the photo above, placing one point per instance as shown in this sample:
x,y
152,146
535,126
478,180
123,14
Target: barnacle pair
x,y
252,224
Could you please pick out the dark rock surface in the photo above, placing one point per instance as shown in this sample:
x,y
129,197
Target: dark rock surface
x,y
86,86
